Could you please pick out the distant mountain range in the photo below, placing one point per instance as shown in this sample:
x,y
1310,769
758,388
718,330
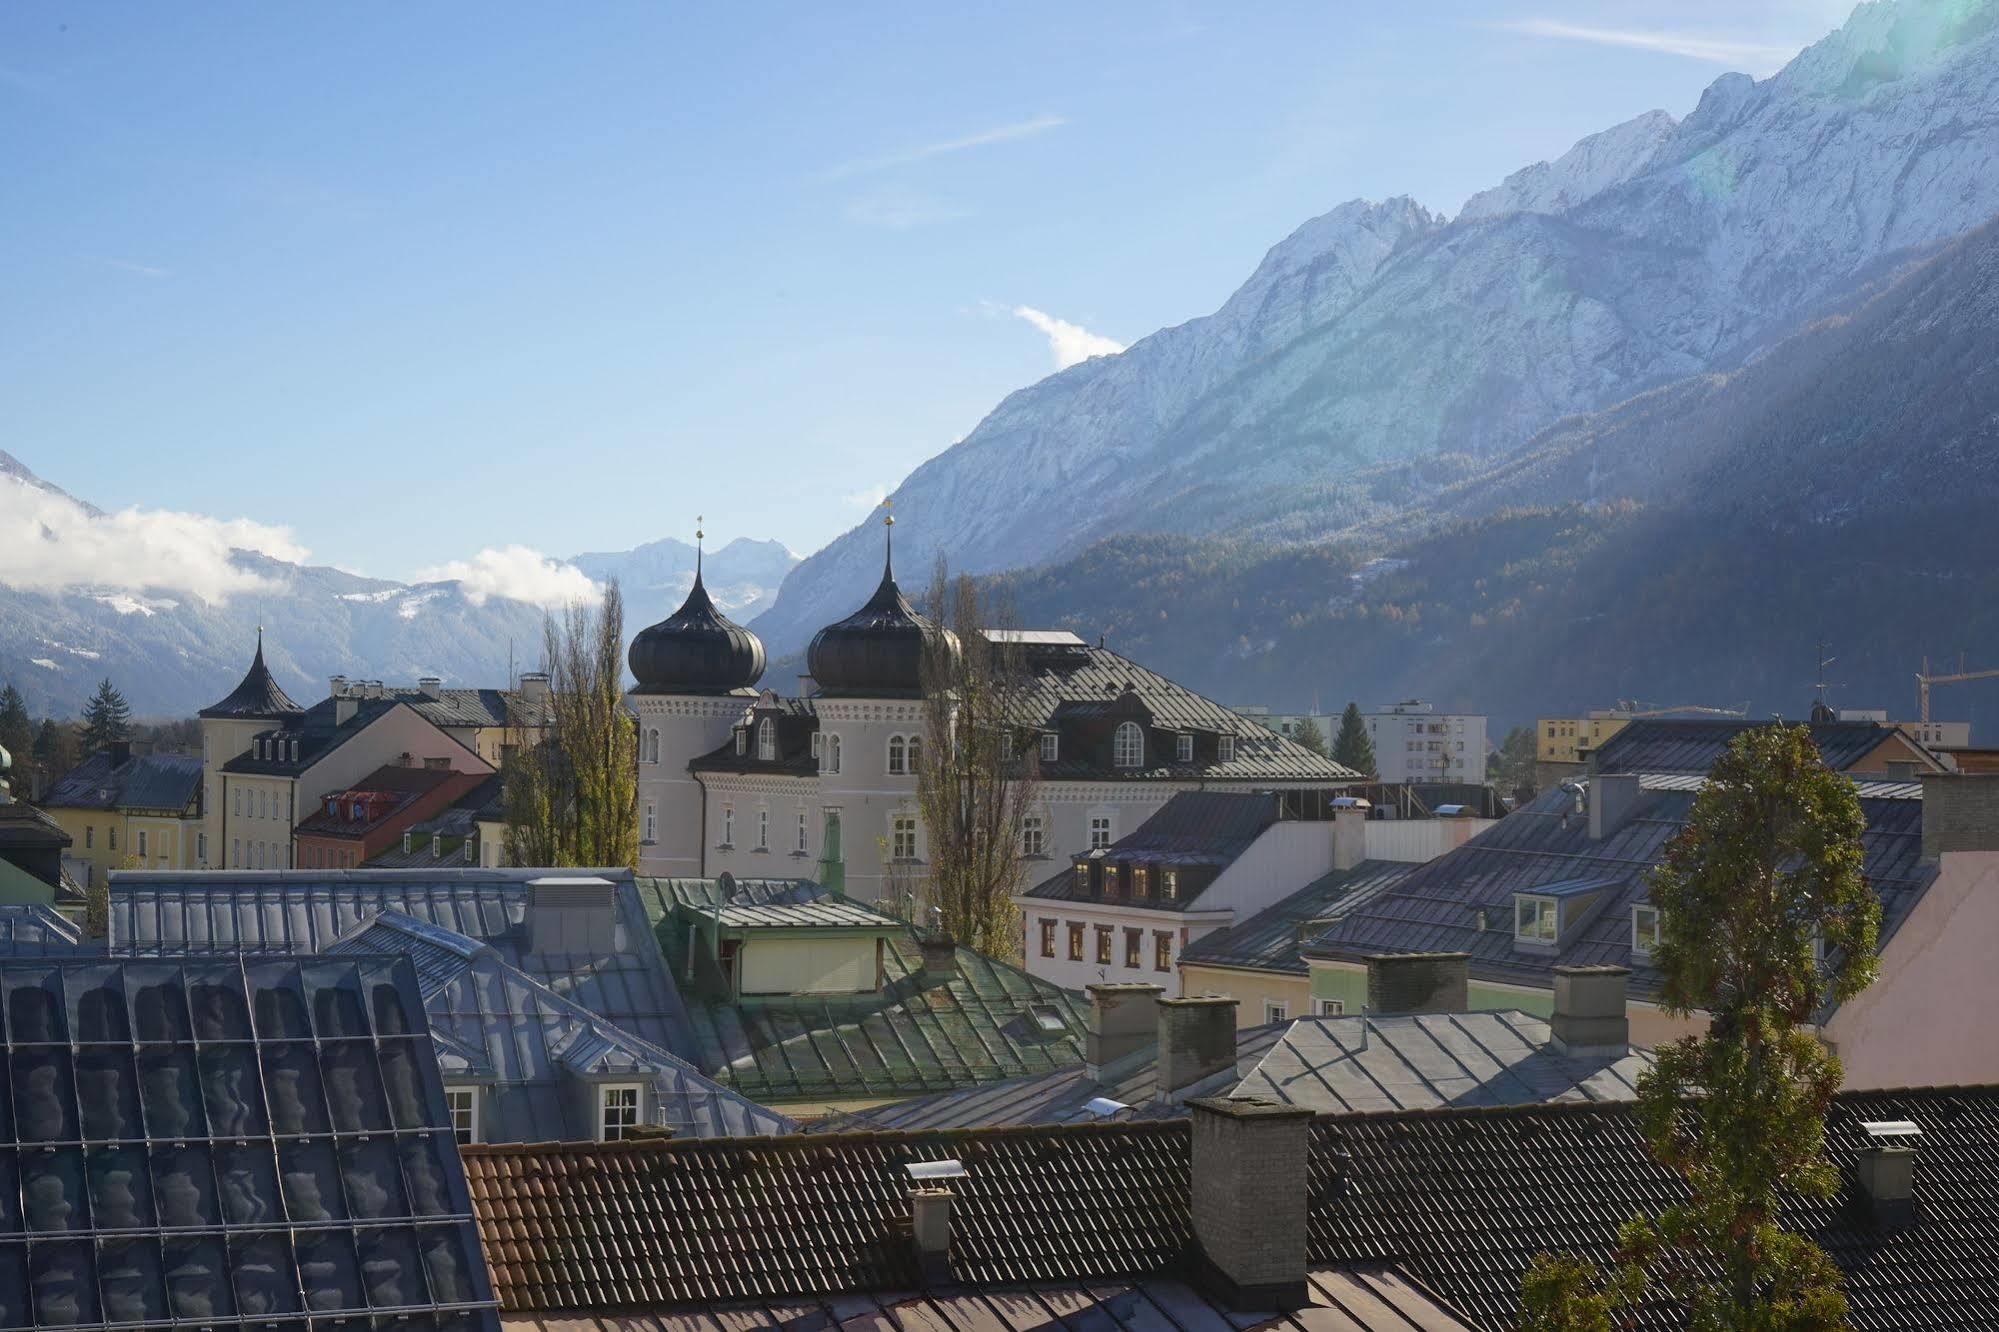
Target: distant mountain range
x,y
172,654
1663,351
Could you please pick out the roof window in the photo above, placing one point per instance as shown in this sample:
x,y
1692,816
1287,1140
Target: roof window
x,y
1128,746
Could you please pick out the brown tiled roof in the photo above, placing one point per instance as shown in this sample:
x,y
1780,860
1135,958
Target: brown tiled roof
x,y
640,1225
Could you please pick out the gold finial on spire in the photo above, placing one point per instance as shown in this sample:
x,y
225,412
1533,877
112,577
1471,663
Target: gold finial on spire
x,y
888,518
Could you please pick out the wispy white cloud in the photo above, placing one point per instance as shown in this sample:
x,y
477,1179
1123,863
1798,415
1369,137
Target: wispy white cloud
x,y
517,573
867,497
1020,129
1755,57
127,266
1067,342
54,544
899,209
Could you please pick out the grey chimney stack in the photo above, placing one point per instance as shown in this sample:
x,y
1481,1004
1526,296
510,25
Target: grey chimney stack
x,y
1251,1164
1418,983
1613,799
430,686
1124,1019
1590,1017
1960,813
534,686
1349,832
1196,1041
930,1227
1886,1171
574,915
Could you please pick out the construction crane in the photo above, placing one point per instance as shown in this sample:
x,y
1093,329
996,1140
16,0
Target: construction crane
x,y
1635,710
1924,680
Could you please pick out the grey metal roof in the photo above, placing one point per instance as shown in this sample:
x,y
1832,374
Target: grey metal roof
x,y
1668,744
318,733
1210,828
142,781
228,1142
497,1026
1437,906
1333,1065
34,930
826,913
1268,941
304,911
460,708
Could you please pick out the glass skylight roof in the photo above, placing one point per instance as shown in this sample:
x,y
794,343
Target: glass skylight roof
x,y
228,1142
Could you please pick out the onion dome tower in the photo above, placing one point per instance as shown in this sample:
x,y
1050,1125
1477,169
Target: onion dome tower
x,y
877,652
257,698
697,649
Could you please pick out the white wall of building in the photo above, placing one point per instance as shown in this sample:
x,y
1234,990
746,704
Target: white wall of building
x,y
1413,841
669,798
1414,744
1181,927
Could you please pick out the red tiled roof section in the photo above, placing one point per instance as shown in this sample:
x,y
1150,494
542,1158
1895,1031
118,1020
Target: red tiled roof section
x,y
633,1226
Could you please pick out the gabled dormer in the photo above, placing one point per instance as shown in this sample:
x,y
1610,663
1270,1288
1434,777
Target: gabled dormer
x,y
1549,917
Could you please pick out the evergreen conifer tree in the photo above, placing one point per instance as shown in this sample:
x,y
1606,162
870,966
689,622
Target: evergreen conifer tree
x,y
107,718
1354,748
1763,882
1310,736
17,734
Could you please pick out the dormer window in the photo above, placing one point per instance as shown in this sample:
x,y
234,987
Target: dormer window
x,y
1082,876
1113,880
742,742
1128,746
1141,882
409,839
1225,749
355,811
1536,920
1051,747
1169,884
1183,747
767,740
1008,746
1644,929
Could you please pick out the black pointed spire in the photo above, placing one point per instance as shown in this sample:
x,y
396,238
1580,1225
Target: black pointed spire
x,y
878,651
259,696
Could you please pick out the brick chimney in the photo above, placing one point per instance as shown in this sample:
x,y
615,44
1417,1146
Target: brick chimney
x,y
1960,812
1590,1017
1251,1163
940,957
1613,799
1196,1040
1124,1019
1418,983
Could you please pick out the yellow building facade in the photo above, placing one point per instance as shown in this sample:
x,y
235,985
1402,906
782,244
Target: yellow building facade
x,y
130,811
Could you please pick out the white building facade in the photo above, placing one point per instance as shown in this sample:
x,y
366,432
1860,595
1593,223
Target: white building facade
x,y
1415,743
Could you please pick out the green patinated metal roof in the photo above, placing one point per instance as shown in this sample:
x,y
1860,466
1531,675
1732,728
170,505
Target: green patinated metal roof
x,y
912,1036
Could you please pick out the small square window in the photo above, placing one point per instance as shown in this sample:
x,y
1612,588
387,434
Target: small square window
x,y
1275,1012
618,1107
1330,1007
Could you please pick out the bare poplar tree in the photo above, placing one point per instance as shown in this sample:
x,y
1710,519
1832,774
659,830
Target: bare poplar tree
x,y
572,799
976,777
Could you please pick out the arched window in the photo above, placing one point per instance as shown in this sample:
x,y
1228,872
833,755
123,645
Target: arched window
x,y
1128,747
767,739
652,746
915,752
897,756
829,754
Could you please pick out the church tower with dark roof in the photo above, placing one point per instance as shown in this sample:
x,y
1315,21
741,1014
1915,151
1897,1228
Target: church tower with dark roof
x,y
256,704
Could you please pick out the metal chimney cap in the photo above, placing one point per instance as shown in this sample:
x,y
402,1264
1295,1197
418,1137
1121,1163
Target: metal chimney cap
x,y
1103,1107
925,1171
1886,1130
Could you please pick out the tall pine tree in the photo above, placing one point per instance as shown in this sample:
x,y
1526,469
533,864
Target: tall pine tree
x,y
1309,735
1354,748
107,718
55,749
1762,883
17,734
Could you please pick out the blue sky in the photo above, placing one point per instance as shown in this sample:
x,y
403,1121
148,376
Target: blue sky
x,y
414,280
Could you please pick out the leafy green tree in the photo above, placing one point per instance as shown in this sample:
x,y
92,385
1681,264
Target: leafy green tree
x,y
1354,748
572,800
1309,735
1763,882
1511,766
107,718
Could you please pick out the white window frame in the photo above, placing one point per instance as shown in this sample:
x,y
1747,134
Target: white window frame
x,y
651,825
767,739
804,832
1051,747
1640,910
605,1091
1225,749
742,741
829,755
1329,1007
1183,747
1544,909
901,827
763,828
1033,836
898,756
818,743
1100,826
1128,745
469,1133
1273,1011
915,759
1169,883
652,745
728,825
